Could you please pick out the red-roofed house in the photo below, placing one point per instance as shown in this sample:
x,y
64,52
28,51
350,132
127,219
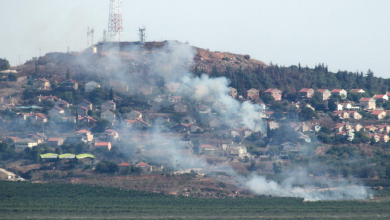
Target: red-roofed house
x,y
379,114
325,93
86,119
16,138
86,104
86,134
137,123
108,105
134,115
383,128
123,166
253,94
341,92
41,84
82,111
367,103
370,128
306,92
206,149
55,142
62,104
341,114
69,84
148,168
355,115
56,111
276,93
361,91
103,144
109,135
383,97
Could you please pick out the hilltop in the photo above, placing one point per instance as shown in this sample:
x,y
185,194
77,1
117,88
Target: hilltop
x,y
130,61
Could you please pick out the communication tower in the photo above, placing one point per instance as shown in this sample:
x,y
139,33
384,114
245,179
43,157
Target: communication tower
x,y
115,29
88,34
104,35
92,30
142,35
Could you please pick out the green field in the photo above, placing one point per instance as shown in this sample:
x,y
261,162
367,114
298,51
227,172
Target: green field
x,y
22,200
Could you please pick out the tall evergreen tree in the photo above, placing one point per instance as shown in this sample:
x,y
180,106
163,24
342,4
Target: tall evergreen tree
x,y
111,95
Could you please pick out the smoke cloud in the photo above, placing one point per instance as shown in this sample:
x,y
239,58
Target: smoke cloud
x,y
171,63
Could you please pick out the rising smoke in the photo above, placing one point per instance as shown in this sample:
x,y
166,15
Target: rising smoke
x,y
172,63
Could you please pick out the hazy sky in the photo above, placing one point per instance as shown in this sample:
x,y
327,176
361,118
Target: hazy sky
x,y
345,35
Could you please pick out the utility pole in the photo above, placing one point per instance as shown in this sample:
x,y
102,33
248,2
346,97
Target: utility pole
x,y
68,49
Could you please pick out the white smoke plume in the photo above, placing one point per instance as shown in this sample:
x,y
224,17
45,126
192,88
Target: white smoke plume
x,y
171,63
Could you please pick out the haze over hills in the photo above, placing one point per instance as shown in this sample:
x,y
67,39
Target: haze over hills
x,y
127,60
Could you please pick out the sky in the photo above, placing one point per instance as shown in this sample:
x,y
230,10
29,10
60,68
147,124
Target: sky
x,y
350,35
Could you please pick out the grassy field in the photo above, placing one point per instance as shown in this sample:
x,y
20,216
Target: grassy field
x,y
24,200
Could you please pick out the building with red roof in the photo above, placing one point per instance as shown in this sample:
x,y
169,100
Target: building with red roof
x,y
69,84
325,93
306,92
206,149
361,91
55,142
103,144
341,92
276,93
367,103
379,114
382,97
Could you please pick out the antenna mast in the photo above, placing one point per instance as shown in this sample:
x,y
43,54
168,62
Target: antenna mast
x,y
142,35
88,33
92,30
115,29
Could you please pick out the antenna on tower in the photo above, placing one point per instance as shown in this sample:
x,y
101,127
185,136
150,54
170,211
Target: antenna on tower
x,y
104,35
92,30
115,29
142,35
88,33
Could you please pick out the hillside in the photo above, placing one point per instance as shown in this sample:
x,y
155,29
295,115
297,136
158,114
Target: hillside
x,y
129,61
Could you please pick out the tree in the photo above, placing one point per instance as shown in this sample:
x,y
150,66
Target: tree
x,y
307,114
12,77
268,99
332,105
4,64
3,147
107,167
101,125
97,95
277,167
68,74
58,150
111,95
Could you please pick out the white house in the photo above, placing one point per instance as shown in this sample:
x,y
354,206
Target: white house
x,y
89,86
20,145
